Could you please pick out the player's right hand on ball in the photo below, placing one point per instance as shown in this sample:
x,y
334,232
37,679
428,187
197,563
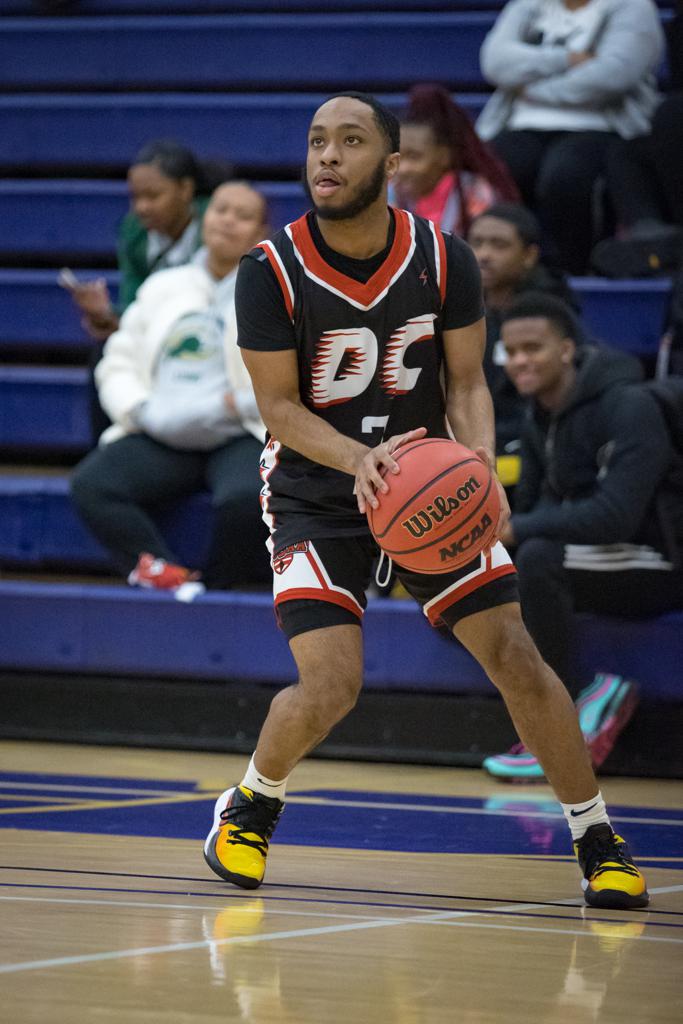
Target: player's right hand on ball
x,y
375,464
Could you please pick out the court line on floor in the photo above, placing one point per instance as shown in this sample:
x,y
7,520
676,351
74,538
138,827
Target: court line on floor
x,y
556,931
511,908
382,805
363,925
517,910
99,805
272,898
112,790
236,906
269,894
26,797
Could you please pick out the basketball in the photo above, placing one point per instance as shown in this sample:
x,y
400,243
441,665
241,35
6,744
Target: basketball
x,y
441,510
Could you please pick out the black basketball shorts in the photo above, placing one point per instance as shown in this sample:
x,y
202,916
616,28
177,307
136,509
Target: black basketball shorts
x,y
319,583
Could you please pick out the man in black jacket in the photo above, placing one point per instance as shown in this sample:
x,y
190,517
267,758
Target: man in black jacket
x,y
594,451
506,240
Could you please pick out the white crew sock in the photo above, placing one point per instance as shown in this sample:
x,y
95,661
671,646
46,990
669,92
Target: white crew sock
x,y
259,783
582,816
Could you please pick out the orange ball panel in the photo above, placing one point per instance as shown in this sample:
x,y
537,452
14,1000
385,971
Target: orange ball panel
x,y
441,510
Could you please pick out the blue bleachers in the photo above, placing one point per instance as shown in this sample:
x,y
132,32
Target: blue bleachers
x,y
44,407
115,7
87,130
105,8
118,630
58,216
39,526
36,312
242,51
629,315
79,95
115,629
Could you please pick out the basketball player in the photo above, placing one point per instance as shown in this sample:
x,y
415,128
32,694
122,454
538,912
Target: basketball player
x,y
349,321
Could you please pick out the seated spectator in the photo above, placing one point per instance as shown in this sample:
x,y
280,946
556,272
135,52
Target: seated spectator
x,y
594,454
572,76
506,241
168,195
162,229
446,174
184,414
645,184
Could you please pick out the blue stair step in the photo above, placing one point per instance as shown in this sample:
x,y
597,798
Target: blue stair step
x,y
120,630
628,314
44,407
243,51
259,131
201,7
80,217
39,526
38,313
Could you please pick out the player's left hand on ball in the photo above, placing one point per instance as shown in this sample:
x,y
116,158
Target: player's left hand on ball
x,y
489,458
377,462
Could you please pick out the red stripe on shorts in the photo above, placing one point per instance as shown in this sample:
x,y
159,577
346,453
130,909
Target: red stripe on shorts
x,y
312,594
458,593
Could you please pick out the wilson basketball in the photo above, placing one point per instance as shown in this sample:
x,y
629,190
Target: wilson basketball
x,y
441,510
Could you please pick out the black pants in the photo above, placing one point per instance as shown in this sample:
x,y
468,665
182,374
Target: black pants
x,y
556,174
119,489
645,174
550,594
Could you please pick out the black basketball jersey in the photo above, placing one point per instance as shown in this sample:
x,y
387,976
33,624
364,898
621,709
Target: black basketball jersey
x,y
370,363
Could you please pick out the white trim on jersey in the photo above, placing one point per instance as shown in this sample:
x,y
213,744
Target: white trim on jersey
x,y
488,561
342,295
437,255
276,255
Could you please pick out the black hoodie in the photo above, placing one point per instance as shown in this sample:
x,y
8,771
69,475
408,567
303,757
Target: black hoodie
x,y
590,469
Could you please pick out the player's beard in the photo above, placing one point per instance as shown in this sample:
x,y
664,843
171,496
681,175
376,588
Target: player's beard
x,y
366,194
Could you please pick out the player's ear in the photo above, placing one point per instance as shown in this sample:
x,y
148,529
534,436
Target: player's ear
x,y
531,256
391,164
568,350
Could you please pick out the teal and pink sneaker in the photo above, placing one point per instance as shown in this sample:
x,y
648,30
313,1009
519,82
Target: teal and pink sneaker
x,y
518,765
604,708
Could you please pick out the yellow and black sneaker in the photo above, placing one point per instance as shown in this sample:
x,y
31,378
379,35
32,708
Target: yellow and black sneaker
x,y
611,879
237,845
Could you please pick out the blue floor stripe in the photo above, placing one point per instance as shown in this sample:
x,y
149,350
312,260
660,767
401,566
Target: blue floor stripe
x,y
76,782
528,826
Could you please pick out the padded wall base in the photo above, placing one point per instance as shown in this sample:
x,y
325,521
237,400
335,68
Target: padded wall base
x,y
384,726
49,627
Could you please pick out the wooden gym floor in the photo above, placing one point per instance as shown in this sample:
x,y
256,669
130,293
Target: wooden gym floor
x,y
394,895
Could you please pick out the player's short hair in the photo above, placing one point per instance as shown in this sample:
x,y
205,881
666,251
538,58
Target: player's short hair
x,y
387,122
549,307
521,218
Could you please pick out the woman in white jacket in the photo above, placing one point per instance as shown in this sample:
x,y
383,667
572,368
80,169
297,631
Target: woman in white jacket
x,y
184,416
571,77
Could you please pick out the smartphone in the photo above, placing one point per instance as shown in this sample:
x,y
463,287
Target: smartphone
x,y
67,279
